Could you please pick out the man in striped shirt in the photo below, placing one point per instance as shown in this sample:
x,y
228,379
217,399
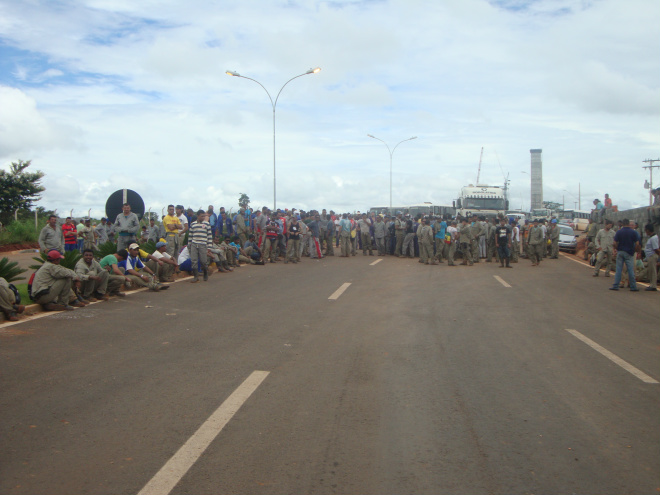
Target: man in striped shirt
x,y
200,239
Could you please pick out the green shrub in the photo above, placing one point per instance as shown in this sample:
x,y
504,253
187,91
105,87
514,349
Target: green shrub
x,y
10,271
148,247
22,232
102,250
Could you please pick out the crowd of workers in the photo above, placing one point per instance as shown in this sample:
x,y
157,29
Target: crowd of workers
x,y
191,242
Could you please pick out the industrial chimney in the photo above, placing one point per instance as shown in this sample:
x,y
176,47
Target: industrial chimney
x,y
537,179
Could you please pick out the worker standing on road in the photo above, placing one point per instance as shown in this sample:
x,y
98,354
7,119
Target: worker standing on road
x,y
127,226
491,240
652,250
503,237
554,240
365,236
173,227
345,235
400,233
515,242
425,234
465,240
452,232
476,229
293,241
380,230
408,240
536,246
626,242
591,231
604,248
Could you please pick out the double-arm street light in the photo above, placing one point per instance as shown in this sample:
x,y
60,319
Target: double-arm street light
x,y
391,153
274,104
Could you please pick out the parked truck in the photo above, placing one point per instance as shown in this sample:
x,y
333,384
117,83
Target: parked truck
x,y
488,201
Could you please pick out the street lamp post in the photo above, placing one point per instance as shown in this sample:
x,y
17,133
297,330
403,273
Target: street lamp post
x,y
579,196
274,104
391,153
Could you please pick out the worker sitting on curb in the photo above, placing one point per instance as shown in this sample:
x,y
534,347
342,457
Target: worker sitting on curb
x,y
52,284
8,302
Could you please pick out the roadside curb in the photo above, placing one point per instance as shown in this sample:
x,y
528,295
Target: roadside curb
x,y
33,311
21,251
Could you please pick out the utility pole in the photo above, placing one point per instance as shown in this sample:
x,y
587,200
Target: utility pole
x,y
651,167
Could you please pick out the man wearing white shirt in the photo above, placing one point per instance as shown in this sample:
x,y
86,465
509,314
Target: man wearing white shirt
x,y
545,238
515,241
164,264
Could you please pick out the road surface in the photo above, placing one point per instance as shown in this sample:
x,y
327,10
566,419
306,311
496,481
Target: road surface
x,y
341,376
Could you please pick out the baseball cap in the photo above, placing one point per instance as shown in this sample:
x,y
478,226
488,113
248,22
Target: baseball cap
x,y
54,254
160,244
134,246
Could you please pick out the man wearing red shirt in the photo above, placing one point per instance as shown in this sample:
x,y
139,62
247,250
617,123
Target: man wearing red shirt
x,y
70,235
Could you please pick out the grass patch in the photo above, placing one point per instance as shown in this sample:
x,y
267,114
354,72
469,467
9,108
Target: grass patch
x,y
21,232
22,290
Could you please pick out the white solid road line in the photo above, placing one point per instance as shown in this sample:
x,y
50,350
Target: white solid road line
x,y
613,357
172,472
376,262
335,295
501,281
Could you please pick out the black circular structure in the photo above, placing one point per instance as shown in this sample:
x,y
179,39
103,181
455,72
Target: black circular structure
x,y
113,206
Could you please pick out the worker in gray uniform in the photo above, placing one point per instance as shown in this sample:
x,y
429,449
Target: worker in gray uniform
x,y
8,303
605,248
554,239
476,229
127,226
465,242
536,243
425,237
399,232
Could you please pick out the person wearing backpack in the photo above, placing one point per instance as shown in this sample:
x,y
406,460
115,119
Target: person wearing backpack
x,y
9,302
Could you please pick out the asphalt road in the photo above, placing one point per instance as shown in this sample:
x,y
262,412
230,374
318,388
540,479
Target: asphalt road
x,y
416,379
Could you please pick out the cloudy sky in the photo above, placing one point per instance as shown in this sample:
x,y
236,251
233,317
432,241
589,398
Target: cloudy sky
x,y
110,94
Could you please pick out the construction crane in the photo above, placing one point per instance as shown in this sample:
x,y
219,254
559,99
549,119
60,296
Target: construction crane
x,y
479,171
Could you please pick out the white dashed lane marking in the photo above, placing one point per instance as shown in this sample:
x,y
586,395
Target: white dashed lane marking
x,y
335,295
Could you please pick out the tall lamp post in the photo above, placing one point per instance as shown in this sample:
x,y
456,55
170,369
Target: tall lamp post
x,y
391,153
274,104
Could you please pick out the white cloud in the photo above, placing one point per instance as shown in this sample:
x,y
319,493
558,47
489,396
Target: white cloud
x,y
135,95
23,128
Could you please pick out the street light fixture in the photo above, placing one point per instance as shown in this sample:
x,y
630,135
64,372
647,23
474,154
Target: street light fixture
x,y
274,104
391,153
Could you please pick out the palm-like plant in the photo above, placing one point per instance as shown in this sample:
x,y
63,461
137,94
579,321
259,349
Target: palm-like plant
x,y
148,247
102,250
10,271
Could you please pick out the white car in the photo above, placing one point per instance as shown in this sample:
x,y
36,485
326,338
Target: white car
x,y
567,238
